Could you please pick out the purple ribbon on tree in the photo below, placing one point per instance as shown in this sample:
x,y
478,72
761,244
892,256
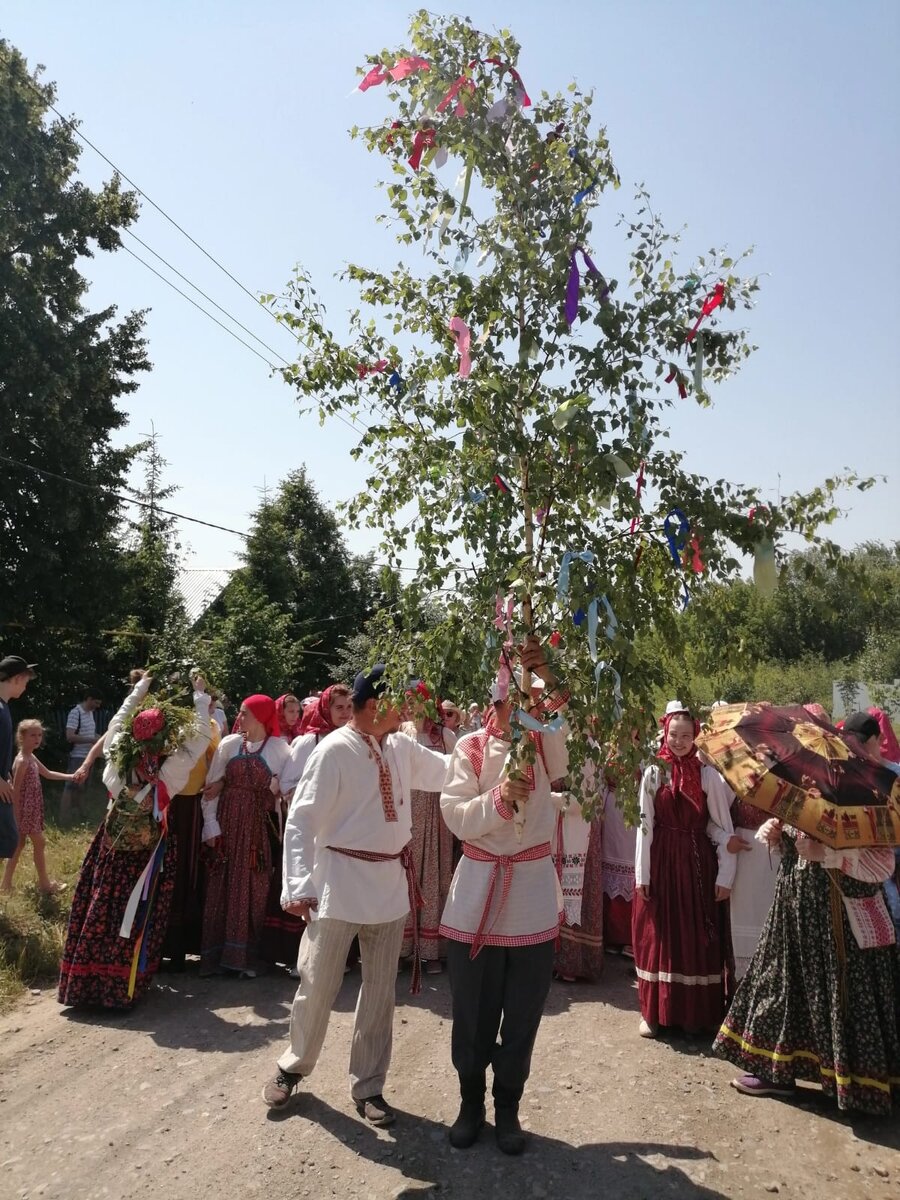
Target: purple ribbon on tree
x,y
573,287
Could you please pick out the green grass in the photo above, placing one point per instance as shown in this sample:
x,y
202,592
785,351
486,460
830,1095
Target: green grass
x,y
33,926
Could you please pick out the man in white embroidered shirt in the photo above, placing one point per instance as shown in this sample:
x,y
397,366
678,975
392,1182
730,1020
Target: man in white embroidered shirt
x,y
348,872
502,914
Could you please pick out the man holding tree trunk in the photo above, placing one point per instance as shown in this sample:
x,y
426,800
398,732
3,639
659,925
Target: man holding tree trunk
x,y
502,915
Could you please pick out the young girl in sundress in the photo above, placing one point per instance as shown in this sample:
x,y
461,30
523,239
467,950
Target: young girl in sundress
x,y
28,771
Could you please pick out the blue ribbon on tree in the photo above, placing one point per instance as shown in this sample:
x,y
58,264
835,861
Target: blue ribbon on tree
x,y
677,538
475,495
529,722
578,617
617,686
562,585
593,620
395,382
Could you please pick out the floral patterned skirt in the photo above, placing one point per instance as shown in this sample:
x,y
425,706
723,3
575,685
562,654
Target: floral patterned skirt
x,y
791,1017
96,961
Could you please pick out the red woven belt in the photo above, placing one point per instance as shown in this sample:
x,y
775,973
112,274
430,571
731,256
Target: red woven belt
x,y
503,866
415,896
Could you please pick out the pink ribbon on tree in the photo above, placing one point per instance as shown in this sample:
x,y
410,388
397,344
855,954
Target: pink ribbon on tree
x,y
504,611
697,564
710,304
362,369
400,70
573,287
464,83
460,330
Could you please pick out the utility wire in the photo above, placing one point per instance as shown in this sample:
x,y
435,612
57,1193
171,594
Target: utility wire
x,y
191,300
95,487
215,304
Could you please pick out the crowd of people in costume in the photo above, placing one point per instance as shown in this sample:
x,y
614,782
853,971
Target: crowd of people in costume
x,y
360,825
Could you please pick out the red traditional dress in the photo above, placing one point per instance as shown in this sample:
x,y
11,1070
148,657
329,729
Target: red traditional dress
x,y
237,887
681,934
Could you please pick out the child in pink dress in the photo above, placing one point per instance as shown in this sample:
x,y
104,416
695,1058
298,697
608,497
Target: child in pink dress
x,y
28,799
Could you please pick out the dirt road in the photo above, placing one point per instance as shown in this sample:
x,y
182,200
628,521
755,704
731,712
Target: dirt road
x,y
165,1101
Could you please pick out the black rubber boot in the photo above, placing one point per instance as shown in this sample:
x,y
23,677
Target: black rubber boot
x,y
465,1129
511,1138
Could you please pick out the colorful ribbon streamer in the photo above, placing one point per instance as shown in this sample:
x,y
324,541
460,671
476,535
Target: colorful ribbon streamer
x,y
710,304
698,362
395,382
677,540
460,331
697,564
530,722
573,287
682,387
638,488
578,617
589,190
400,70
424,140
504,611
476,495
363,369
562,584
501,483
463,84
617,686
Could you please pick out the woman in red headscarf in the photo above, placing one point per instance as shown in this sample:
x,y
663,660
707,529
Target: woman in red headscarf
x,y
680,923
289,714
282,930
241,798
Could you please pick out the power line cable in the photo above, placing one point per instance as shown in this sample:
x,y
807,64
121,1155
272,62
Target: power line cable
x,y
96,487
191,300
196,288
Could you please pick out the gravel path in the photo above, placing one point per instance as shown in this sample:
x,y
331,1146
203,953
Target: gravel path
x,y
165,1101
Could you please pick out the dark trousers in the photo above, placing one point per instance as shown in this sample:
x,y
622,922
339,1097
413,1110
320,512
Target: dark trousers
x,y
500,992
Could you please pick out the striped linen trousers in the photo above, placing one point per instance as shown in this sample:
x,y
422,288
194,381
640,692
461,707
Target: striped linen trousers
x,y
321,962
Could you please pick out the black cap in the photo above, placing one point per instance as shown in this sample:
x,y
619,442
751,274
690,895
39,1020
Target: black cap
x,y
13,665
863,724
368,686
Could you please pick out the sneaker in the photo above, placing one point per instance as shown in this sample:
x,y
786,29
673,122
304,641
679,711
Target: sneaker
x,y
646,1030
376,1110
279,1090
752,1085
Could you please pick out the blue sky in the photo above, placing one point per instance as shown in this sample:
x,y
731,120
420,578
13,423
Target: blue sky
x,y
767,124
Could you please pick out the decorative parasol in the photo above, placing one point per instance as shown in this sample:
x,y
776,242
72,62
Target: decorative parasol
x,y
798,768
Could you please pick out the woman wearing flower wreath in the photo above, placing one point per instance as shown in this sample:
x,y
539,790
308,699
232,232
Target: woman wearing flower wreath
x,y
240,802
121,902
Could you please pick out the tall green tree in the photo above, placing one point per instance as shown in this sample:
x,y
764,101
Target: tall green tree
x,y
296,564
63,370
516,389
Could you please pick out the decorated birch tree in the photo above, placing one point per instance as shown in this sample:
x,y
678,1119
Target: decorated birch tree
x,y
514,383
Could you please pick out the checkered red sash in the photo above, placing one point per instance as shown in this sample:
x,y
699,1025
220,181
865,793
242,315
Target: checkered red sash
x,y
415,896
503,866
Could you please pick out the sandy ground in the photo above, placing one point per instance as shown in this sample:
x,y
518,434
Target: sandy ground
x,y
166,1101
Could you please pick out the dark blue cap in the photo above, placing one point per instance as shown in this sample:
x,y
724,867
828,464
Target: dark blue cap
x,y
368,686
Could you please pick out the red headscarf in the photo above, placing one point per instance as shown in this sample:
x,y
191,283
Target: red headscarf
x,y
317,717
287,731
686,767
263,708
888,745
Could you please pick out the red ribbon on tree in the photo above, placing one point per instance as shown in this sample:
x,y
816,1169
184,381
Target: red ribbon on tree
x,y
424,140
710,304
682,387
362,369
401,68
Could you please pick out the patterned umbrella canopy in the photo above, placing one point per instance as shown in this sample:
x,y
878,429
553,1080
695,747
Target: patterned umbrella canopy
x,y
800,769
